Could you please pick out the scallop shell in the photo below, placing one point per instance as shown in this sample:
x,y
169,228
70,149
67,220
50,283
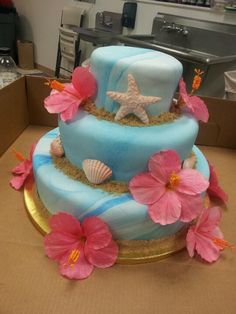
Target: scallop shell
x,y
56,148
190,162
96,171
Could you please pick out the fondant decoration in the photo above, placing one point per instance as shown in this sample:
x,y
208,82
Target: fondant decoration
x,y
190,162
197,80
65,99
132,101
214,190
192,104
127,219
54,84
57,148
125,149
156,73
79,247
205,236
170,192
23,171
96,171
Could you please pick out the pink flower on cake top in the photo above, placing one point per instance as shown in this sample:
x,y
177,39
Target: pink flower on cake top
x,y
187,103
78,248
65,99
23,171
132,101
205,236
214,190
171,193
192,104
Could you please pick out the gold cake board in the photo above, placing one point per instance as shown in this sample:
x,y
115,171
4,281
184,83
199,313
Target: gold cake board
x,y
130,251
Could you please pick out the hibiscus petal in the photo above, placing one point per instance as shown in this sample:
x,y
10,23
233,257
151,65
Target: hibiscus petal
x,y
57,102
32,151
190,241
209,219
18,181
216,233
80,270
182,88
57,245
192,182
84,81
65,223
72,91
71,111
145,189
166,210
214,190
102,258
162,164
206,248
199,108
97,233
191,206
24,167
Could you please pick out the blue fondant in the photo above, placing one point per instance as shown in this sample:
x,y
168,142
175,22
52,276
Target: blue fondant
x,y
53,133
41,160
126,218
156,73
108,205
125,149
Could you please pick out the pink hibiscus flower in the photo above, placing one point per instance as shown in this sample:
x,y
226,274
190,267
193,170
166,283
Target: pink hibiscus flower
x,y
65,99
214,190
23,171
205,236
79,247
170,192
192,104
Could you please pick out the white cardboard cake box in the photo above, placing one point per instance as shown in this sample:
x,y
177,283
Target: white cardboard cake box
x,y
21,104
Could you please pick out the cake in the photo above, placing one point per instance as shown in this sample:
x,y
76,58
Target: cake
x,y
124,151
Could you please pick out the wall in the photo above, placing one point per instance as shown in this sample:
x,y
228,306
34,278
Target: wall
x,y
40,21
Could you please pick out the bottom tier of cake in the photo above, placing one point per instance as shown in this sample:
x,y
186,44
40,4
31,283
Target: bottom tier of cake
x,y
127,219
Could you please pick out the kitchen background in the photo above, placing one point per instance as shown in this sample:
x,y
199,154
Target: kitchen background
x,y
40,20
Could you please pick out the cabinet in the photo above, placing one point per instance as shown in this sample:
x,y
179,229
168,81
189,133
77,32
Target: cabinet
x,y
8,29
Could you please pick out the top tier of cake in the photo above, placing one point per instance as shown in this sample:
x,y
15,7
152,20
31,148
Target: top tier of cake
x,y
156,74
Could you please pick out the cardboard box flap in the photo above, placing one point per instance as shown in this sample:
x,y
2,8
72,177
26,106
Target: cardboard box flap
x,y
220,130
37,91
13,113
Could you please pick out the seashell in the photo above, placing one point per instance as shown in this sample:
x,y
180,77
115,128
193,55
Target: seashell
x,y
96,171
190,162
56,147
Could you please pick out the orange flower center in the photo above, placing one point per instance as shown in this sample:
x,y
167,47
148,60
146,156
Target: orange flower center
x,y
222,243
73,257
55,85
18,155
173,181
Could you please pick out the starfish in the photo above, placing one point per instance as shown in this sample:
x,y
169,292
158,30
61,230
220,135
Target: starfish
x,y
132,101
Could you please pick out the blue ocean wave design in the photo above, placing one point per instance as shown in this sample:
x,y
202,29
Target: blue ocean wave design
x,y
52,134
41,160
108,205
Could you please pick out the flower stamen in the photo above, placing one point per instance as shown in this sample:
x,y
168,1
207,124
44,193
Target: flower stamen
x,y
54,84
173,181
18,155
222,243
73,257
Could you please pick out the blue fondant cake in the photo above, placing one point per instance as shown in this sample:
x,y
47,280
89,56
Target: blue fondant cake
x,y
125,149
156,73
